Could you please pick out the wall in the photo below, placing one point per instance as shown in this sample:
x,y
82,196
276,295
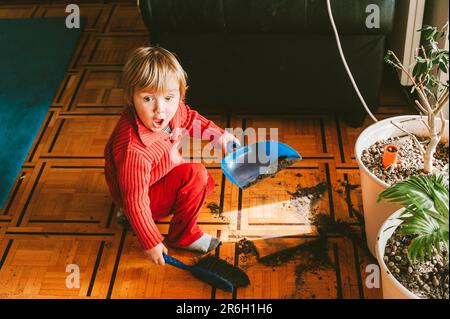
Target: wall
x,y
436,14
404,38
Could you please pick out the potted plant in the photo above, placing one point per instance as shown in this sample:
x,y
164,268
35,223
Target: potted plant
x,y
421,141
412,245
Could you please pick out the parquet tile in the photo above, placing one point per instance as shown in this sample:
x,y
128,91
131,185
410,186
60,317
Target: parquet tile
x,y
109,50
81,136
306,134
100,91
17,11
37,267
126,19
69,194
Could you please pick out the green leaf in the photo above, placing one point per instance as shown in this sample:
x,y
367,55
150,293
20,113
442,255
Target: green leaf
x,y
426,214
420,246
443,67
411,191
420,59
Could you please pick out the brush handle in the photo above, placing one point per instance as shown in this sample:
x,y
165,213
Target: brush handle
x,y
175,262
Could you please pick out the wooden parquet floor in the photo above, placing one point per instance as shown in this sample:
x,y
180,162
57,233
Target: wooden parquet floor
x,y
59,211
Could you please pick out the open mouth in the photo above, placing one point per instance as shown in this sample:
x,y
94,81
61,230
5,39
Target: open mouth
x,y
158,122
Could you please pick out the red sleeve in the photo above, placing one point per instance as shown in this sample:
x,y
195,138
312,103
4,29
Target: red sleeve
x,y
110,176
198,125
133,174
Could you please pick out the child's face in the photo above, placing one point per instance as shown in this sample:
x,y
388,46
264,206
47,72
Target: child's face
x,y
156,110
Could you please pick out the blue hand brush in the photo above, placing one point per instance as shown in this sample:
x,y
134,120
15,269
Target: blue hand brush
x,y
214,271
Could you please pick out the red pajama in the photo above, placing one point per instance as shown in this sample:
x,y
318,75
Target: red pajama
x,y
182,193
148,179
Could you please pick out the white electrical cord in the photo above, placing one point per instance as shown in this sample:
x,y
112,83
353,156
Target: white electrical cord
x,y
330,14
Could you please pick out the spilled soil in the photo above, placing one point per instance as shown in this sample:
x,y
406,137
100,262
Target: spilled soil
x,y
304,200
311,255
326,227
216,211
281,163
246,249
316,246
314,192
245,246
347,188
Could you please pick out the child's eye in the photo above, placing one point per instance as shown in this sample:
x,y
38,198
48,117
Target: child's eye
x,y
148,99
169,98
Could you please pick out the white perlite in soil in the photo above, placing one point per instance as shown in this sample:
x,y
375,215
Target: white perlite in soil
x,y
411,159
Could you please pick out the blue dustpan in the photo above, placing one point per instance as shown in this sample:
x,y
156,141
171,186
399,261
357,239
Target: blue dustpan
x,y
247,165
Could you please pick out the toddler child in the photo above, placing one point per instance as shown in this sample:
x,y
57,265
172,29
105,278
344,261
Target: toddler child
x,y
146,175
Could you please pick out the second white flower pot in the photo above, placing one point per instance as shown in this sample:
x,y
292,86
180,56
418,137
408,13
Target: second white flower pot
x,y
376,213
392,288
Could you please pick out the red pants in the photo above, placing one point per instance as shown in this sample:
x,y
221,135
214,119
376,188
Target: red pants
x,y
182,193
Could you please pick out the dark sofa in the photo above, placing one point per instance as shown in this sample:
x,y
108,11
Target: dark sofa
x,y
269,56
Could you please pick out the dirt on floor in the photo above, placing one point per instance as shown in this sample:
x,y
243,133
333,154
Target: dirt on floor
x,y
216,211
304,200
311,255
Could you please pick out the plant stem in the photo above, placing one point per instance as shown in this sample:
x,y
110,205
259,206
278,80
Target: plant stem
x,y
431,147
420,107
441,132
441,102
412,136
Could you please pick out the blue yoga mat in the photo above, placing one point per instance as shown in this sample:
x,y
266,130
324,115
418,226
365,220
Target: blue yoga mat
x,y
34,56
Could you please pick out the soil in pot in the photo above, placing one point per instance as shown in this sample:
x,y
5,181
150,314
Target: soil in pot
x,y
428,279
410,159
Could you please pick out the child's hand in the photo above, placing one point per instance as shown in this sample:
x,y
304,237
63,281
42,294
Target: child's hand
x,y
155,254
225,139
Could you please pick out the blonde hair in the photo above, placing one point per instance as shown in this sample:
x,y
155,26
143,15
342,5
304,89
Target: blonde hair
x,y
150,67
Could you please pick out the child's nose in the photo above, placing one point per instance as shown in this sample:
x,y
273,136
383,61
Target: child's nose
x,y
159,107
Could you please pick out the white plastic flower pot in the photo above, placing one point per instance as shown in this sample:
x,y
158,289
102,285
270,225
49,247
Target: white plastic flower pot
x,y
392,288
376,213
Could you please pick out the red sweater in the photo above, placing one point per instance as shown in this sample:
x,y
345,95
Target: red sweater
x,y
136,158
